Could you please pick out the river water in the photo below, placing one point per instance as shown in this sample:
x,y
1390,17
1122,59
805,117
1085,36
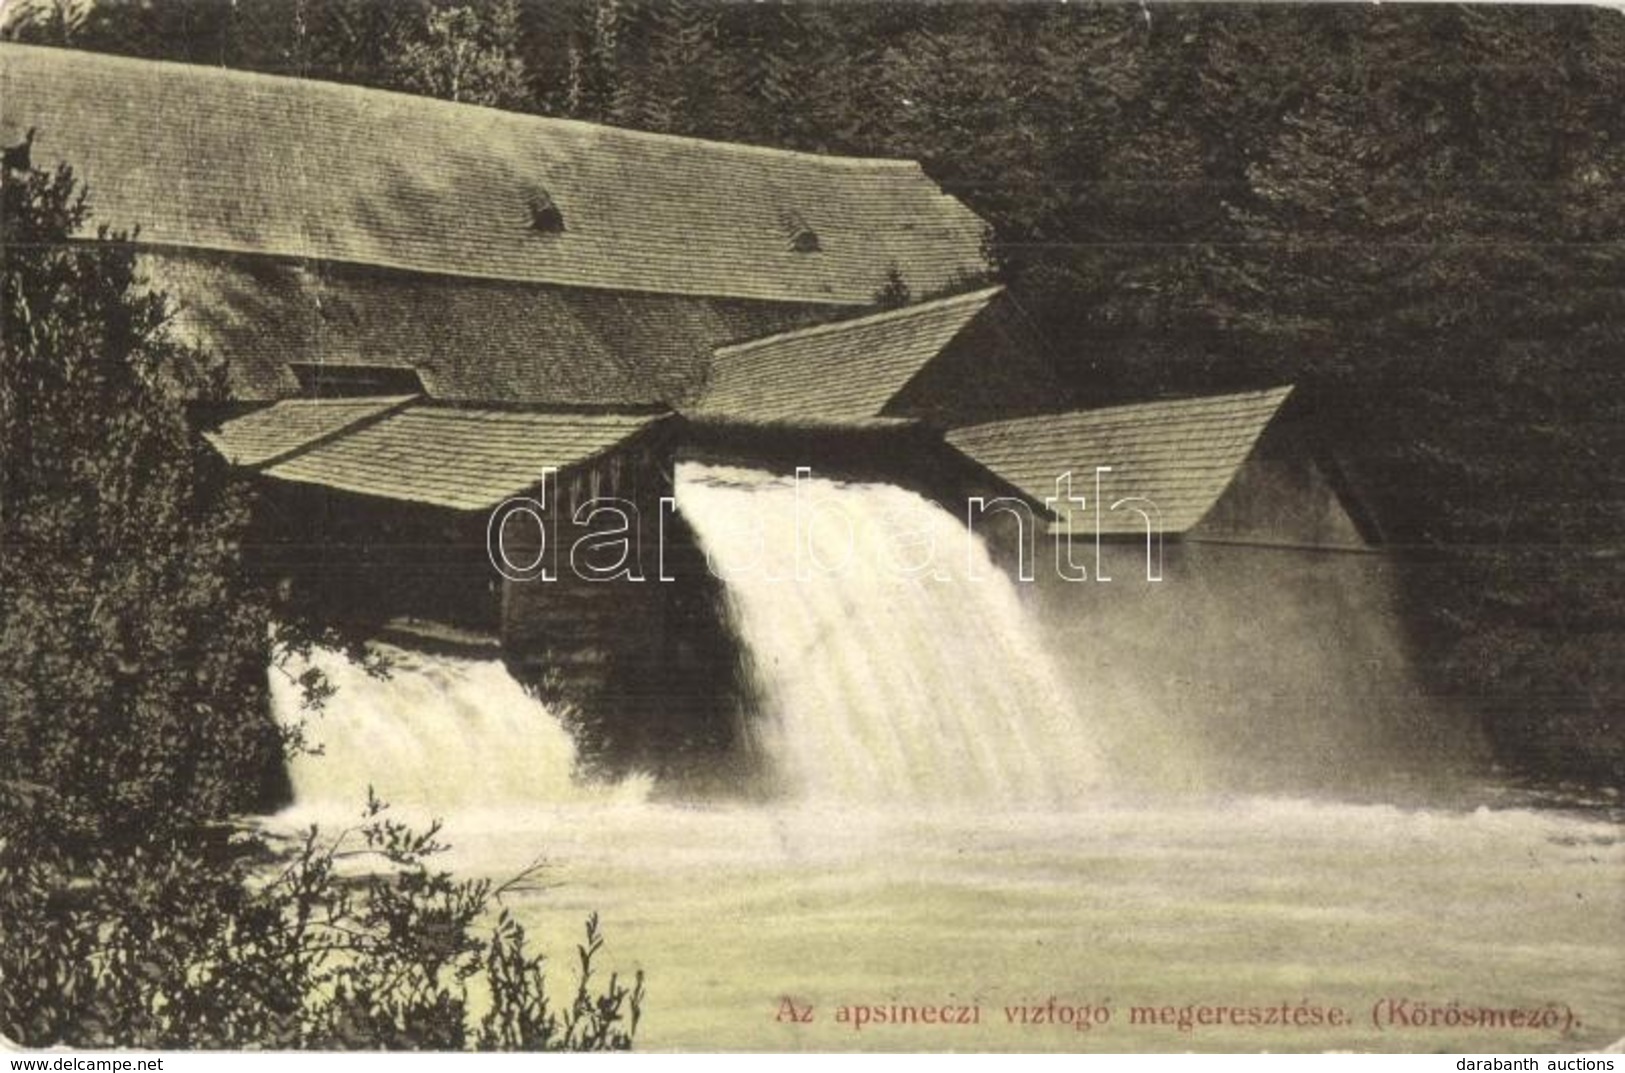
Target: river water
x,y
944,846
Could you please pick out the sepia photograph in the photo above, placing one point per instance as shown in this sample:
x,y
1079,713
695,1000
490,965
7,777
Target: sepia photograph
x,y
802,526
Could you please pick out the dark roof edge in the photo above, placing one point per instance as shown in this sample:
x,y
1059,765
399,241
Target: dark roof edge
x,y
983,294
136,242
365,420
936,358
722,421
1285,391
1283,545
629,409
648,429
981,469
1351,496
373,497
643,431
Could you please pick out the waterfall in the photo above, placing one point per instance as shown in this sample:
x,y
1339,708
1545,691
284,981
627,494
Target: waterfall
x,y
439,733
893,661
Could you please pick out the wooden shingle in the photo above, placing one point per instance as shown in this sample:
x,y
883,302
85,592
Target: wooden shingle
x,y
1180,454
837,373
461,459
283,428
232,161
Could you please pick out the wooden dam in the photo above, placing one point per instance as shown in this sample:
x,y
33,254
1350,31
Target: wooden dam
x,y
489,307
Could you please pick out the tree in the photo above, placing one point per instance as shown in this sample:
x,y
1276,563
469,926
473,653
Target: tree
x,y
56,22
134,645
1432,245
463,53
132,642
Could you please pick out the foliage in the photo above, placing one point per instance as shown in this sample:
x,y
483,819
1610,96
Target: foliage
x,y
464,53
130,640
354,942
133,649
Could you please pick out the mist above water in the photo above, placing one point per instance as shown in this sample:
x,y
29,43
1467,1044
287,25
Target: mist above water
x,y
942,822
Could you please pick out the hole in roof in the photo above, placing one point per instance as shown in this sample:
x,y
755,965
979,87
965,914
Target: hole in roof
x,y
798,234
322,380
545,214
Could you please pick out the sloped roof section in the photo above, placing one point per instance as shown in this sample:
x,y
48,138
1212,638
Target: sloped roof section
x,y
665,342
1180,454
201,157
456,458
280,429
834,373
476,341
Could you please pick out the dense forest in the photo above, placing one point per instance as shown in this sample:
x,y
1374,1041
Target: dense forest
x,y
1414,213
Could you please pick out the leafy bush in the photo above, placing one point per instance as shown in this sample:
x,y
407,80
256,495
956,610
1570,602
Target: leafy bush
x,y
132,642
353,941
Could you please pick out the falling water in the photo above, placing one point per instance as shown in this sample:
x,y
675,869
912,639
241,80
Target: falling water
x,y
893,660
439,733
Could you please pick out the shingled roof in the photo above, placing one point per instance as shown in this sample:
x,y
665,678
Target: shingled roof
x,y
276,431
833,374
205,158
1180,454
468,340
457,458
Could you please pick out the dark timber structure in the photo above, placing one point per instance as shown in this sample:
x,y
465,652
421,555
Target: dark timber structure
x,y
429,308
